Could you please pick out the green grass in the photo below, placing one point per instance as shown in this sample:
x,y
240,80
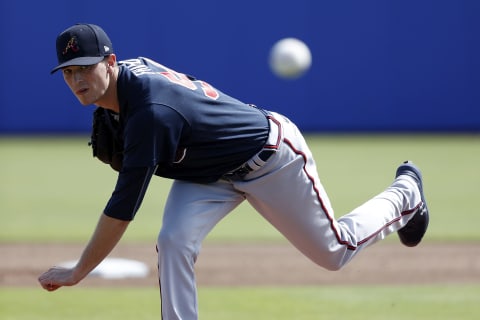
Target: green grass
x,y
439,302
51,189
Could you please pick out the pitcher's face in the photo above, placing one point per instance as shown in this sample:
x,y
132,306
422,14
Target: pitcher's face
x,y
88,83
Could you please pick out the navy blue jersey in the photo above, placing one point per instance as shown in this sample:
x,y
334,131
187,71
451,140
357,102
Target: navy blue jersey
x,y
178,127
191,130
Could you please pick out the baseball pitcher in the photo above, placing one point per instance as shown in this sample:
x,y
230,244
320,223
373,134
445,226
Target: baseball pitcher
x,y
155,121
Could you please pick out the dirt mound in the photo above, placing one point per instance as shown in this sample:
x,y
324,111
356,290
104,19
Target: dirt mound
x,y
260,264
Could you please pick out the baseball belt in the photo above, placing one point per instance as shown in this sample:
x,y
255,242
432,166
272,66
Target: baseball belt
x,y
259,160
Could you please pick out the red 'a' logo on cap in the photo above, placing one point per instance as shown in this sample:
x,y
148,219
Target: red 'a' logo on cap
x,y
71,45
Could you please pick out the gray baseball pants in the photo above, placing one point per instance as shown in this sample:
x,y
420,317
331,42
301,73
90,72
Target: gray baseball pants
x,y
287,192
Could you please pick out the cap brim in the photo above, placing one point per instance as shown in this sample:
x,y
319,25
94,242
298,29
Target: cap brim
x,y
82,61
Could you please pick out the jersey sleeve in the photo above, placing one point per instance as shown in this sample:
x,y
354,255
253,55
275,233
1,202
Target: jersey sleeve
x,y
129,192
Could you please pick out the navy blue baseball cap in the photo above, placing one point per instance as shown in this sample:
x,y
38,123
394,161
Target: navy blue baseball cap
x,y
82,45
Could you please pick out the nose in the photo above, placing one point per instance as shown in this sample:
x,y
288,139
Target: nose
x,y
77,76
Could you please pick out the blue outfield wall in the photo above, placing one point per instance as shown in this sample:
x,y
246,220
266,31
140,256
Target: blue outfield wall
x,y
378,65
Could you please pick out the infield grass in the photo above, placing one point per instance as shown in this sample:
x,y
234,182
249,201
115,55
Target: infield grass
x,y
51,189
278,303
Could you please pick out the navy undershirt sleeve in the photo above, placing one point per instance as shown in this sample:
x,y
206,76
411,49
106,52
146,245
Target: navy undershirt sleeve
x,y
129,192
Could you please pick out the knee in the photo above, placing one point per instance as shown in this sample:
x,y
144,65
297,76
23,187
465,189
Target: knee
x,y
332,266
175,243
328,264
331,261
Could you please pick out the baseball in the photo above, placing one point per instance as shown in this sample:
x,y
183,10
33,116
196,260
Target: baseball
x,y
290,58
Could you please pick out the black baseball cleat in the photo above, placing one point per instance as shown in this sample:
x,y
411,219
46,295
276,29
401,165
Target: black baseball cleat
x,y
412,233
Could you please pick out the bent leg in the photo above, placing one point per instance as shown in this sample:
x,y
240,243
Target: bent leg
x,y
288,193
192,210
